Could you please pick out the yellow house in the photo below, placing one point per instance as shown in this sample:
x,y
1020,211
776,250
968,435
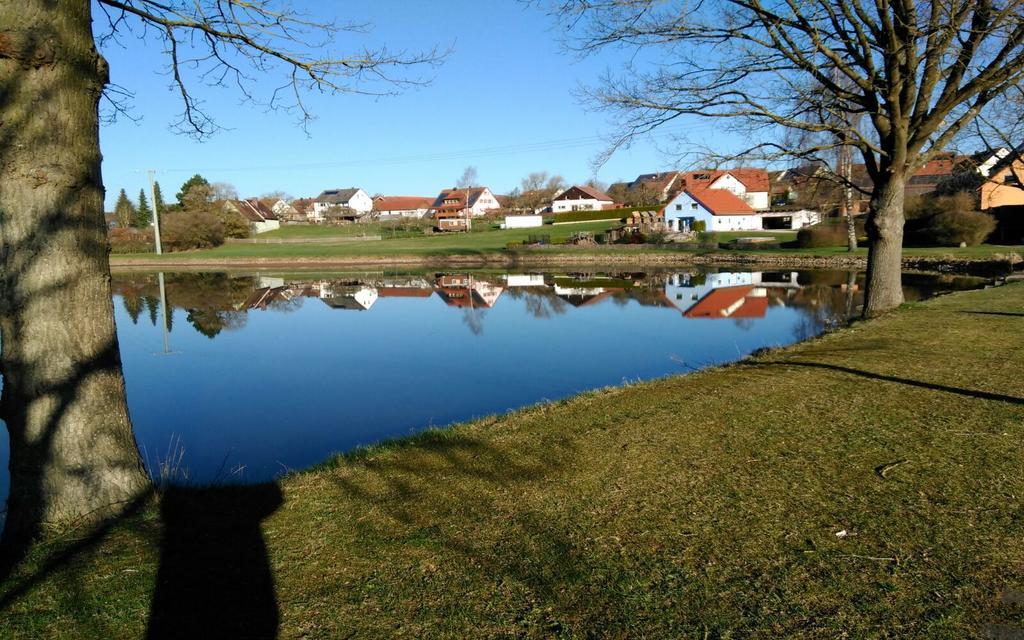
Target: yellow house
x,y
1003,187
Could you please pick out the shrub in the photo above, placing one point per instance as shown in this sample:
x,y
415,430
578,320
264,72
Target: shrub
x,y
191,230
950,228
232,223
130,240
656,237
699,226
585,216
821,236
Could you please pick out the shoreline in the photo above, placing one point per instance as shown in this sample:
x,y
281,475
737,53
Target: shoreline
x,y
974,266
858,467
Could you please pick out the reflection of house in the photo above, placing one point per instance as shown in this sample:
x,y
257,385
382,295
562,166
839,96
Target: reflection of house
x,y
581,198
718,209
524,280
260,217
731,302
581,296
464,291
262,297
355,297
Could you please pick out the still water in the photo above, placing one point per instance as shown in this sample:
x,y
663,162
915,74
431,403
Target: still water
x,y
250,375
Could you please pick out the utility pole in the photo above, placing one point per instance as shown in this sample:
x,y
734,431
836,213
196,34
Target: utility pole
x,y
156,216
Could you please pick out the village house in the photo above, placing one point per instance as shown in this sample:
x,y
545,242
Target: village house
x,y
750,185
453,208
287,212
581,198
1003,186
718,209
351,203
742,302
661,186
390,207
261,218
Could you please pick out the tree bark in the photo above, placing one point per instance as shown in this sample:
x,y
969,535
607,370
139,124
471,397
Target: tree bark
x,y
885,251
73,452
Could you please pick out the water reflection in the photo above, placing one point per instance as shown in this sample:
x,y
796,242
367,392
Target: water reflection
x,y
272,372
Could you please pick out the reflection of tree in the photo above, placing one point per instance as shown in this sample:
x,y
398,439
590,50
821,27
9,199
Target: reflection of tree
x,y
744,324
473,317
540,302
133,306
152,307
210,322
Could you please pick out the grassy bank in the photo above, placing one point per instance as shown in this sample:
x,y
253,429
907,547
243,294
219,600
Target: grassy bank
x,y
866,484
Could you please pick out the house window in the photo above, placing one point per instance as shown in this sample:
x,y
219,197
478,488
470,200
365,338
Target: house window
x,y
679,207
693,205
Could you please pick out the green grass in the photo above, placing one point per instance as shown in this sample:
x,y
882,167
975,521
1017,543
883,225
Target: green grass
x,y
867,484
475,243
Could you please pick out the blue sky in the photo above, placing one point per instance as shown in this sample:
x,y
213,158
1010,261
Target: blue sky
x,y
504,101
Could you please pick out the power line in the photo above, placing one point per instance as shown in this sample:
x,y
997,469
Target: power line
x,y
481,152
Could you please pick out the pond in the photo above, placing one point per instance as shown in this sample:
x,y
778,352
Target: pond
x,y
241,377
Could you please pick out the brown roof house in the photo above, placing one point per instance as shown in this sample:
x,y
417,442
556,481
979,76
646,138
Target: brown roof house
x,y
390,207
581,198
454,208
261,218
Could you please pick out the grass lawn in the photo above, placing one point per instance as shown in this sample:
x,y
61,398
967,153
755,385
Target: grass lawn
x,y
866,484
474,243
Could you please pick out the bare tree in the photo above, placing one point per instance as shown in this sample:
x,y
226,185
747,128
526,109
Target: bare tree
x,y
223,191
468,178
73,452
538,189
918,71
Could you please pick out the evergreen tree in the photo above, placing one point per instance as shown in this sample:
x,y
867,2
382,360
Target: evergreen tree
x,y
153,307
195,181
158,198
143,215
124,210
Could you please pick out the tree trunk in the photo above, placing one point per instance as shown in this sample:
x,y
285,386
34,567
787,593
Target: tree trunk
x,y
885,251
851,227
73,453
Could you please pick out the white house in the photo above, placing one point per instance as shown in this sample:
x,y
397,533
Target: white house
x,y
453,202
750,185
581,198
353,198
391,207
719,209
259,216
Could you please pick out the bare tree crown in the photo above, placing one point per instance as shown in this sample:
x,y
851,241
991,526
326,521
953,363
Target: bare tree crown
x,y
919,71
239,43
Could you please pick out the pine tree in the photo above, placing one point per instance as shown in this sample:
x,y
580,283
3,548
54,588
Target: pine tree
x,y
158,198
124,210
143,215
133,305
195,181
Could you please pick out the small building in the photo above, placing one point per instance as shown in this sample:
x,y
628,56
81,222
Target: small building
x,y
392,207
261,218
719,209
287,212
771,220
751,185
353,199
581,198
522,222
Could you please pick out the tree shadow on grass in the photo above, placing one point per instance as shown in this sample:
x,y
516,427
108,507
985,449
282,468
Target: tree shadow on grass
x,y
972,393
995,313
214,579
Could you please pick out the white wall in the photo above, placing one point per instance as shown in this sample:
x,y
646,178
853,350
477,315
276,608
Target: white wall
x,y
485,203
583,204
736,223
523,222
266,225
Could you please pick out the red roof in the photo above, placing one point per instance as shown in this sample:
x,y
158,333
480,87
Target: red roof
x,y
721,202
253,210
752,179
587,190
401,203
729,302
459,195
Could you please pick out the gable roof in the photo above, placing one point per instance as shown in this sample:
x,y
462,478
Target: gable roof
x,y
253,210
401,203
729,302
337,196
587,190
752,179
721,202
459,195
658,181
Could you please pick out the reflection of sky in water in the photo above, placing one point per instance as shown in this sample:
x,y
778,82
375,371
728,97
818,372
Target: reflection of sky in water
x,y
327,364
